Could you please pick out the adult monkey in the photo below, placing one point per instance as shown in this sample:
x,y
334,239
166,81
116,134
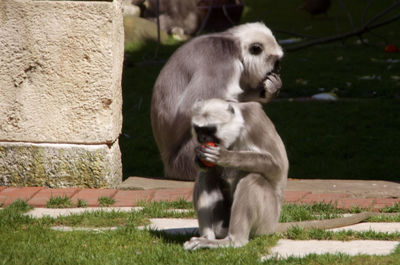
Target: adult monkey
x,y
241,192
179,17
240,64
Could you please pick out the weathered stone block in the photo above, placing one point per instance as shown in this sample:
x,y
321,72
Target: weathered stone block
x,y
60,71
60,165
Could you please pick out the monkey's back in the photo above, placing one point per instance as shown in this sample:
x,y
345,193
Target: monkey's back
x,y
208,57
197,70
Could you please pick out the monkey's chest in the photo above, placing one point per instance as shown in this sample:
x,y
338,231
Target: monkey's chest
x,y
231,177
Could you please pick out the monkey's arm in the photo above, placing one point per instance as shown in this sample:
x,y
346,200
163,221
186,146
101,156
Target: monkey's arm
x,y
249,161
266,90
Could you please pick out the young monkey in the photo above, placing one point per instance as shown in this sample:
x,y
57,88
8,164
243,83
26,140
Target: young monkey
x,y
243,173
243,193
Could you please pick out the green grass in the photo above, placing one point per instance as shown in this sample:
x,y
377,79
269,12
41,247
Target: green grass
x,y
165,209
294,212
24,240
98,219
59,202
340,140
105,201
81,203
392,209
64,202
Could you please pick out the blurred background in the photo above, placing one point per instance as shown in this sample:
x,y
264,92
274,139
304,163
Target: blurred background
x,y
338,112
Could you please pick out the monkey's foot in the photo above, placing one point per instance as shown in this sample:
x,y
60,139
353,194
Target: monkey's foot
x,y
200,242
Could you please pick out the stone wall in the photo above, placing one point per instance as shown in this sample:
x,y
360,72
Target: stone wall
x,y
60,93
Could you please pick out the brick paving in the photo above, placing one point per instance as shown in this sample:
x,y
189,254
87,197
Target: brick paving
x,y
9,195
39,196
91,196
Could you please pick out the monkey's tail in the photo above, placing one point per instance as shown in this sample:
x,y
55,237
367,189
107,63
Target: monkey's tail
x,y
326,224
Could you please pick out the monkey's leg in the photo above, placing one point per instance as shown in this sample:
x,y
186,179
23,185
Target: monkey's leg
x,y
255,209
212,209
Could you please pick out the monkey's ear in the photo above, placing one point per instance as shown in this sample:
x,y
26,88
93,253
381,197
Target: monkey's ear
x,y
231,109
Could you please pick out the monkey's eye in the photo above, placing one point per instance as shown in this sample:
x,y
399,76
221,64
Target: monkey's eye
x,y
255,48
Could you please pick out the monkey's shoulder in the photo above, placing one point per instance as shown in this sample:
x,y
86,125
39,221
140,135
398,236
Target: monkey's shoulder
x,y
250,109
255,117
218,46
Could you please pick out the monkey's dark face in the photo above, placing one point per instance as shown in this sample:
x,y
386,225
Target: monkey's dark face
x,y
206,134
216,120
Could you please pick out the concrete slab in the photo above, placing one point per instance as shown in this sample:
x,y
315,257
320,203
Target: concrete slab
x,y
355,188
41,212
60,165
132,197
87,229
376,227
141,183
301,248
173,194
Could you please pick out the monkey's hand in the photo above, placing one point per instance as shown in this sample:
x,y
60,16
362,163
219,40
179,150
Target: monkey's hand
x,y
214,155
270,87
265,91
200,164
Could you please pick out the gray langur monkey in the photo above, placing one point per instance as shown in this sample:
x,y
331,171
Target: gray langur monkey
x,y
177,17
243,193
240,64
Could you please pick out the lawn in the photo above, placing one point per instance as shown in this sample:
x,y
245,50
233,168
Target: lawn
x,y
354,138
24,240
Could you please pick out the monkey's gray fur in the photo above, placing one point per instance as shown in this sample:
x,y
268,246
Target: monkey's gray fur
x,y
243,194
240,64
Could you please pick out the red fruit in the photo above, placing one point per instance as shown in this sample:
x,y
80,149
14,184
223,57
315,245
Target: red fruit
x,y
391,48
206,163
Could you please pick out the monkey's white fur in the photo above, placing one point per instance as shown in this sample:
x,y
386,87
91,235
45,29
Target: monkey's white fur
x,y
256,67
229,125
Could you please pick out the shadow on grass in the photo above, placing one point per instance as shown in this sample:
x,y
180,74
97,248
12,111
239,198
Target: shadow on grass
x,y
140,155
174,236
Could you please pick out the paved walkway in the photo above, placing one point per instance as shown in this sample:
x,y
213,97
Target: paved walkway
x,y
373,195
365,194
